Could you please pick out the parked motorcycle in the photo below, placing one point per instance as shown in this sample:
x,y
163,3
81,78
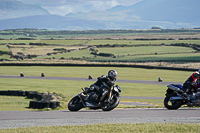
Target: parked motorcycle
x,y
105,98
175,97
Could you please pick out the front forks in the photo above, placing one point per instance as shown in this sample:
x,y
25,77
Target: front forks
x,y
110,95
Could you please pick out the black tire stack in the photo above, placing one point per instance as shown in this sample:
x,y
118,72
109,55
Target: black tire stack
x,y
42,100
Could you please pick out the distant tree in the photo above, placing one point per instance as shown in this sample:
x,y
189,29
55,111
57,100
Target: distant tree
x,y
155,27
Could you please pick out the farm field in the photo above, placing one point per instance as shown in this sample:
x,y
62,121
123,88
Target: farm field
x,y
156,53
115,45
140,42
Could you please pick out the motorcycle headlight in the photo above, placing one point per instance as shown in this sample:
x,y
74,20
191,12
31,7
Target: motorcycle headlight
x,y
119,89
116,89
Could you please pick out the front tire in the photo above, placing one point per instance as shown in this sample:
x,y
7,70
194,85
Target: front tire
x,y
172,105
75,104
105,106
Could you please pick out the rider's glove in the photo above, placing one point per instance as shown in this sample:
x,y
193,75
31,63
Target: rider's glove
x,y
193,83
92,88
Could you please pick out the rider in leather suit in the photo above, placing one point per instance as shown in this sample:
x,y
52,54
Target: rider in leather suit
x,y
191,82
108,80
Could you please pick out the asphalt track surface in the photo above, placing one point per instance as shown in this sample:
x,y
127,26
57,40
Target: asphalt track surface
x,y
15,119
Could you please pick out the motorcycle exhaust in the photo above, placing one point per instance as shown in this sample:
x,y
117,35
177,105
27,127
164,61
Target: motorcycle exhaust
x,y
174,88
175,98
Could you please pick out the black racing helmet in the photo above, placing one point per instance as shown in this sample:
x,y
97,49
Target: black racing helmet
x,y
112,75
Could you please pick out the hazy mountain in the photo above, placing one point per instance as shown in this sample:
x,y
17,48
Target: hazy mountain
x,y
143,15
148,13
164,10
14,9
53,22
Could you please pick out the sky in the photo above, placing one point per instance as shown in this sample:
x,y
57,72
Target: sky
x,y
63,7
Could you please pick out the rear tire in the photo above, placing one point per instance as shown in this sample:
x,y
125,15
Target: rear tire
x,y
172,105
75,104
105,106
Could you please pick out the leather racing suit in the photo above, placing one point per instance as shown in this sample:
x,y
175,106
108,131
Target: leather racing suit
x,y
191,82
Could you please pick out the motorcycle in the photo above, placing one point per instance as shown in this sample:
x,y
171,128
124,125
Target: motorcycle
x,y
106,98
175,97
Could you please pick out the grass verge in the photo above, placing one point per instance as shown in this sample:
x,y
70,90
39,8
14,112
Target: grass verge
x,y
84,72
67,89
110,128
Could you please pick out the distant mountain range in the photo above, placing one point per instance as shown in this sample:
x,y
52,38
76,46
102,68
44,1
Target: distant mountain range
x,y
14,9
167,14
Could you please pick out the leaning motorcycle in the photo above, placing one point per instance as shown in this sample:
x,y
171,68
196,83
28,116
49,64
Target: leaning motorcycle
x,y
106,98
175,97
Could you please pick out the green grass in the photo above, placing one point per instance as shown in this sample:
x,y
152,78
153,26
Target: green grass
x,y
4,48
110,128
66,88
160,57
6,56
98,42
139,42
12,103
55,42
142,53
146,53
74,54
63,42
16,41
70,88
144,50
39,50
84,72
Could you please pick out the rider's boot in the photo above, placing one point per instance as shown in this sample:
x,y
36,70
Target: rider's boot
x,y
184,94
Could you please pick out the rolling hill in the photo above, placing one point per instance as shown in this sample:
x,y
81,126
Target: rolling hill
x,y
167,14
14,9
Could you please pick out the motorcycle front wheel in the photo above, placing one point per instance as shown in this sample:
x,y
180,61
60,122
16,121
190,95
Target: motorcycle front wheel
x,y
75,104
172,105
108,106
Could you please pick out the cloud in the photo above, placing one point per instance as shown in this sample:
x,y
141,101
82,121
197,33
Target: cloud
x,y
63,7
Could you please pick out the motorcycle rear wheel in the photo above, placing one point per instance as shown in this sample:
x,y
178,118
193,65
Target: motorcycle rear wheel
x,y
172,105
75,104
105,106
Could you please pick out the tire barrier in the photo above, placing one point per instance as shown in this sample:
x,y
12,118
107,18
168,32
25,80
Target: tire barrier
x,y
39,105
42,105
42,99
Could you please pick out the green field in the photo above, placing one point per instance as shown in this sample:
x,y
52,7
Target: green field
x,y
3,48
136,50
83,72
151,58
70,88
121,49
139,53
146,53
53,42
145,50
140,42
110,128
